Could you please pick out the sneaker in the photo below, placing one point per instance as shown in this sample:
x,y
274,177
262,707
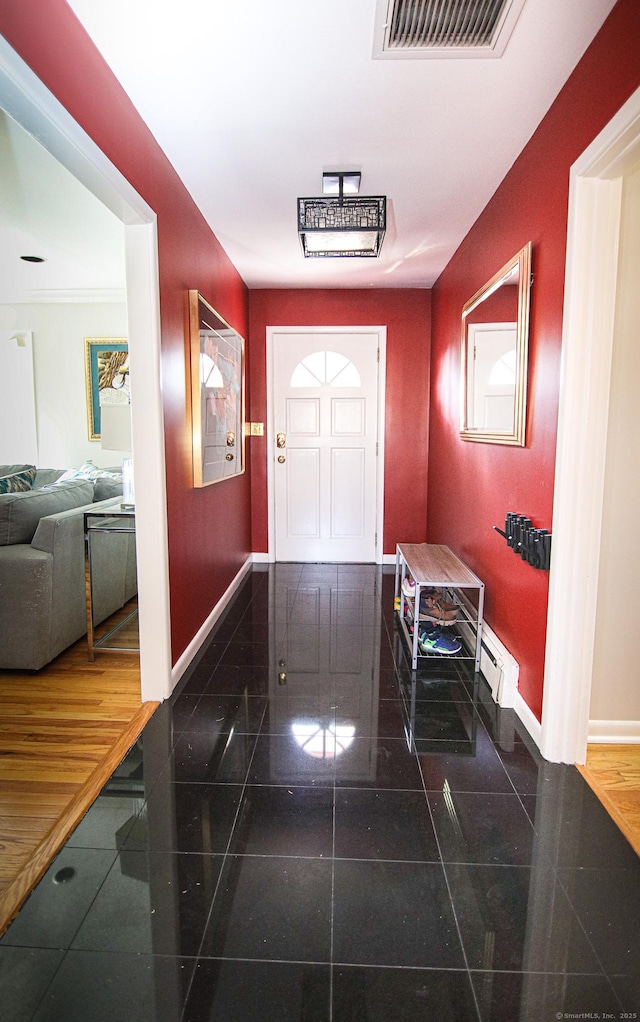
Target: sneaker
x,y
409,586
434,641
435,608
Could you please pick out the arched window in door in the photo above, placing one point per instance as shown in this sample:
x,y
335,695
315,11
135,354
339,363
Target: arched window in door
x,y
503,372
325,367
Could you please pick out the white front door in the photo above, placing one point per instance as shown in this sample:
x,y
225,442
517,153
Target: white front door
x,y
323,445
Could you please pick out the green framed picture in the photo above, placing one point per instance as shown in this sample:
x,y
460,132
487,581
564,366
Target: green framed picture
x,y
106,377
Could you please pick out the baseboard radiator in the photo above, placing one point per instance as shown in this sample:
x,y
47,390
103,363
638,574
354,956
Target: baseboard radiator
x,y
499,668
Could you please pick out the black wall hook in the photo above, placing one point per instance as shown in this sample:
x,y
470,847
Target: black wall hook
x,y
533,545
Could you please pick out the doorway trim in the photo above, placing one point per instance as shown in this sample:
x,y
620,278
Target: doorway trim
x,y
381,332
30,103
595,197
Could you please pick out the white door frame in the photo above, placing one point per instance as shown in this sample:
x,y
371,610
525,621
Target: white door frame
x,y
381,332
587,343
35,108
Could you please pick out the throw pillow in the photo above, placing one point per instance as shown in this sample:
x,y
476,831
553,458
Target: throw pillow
x,y
106,487
87,471
19,482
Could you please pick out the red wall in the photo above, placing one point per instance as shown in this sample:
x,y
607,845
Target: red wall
x,y
209,529
407,316
472,485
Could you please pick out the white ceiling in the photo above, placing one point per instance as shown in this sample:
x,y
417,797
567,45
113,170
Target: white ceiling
x,y
252,100
46,212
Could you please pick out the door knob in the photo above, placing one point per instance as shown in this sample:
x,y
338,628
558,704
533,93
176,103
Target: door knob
x,y
229,457
281,459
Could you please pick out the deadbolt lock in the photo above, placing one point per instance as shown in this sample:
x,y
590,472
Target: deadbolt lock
x,y
281,439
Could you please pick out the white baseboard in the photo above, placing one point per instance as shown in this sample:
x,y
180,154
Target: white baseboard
x,y
187,656
263,558
529,720
614,732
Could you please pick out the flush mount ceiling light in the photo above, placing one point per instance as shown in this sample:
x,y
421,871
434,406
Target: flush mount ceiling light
x,y
344,224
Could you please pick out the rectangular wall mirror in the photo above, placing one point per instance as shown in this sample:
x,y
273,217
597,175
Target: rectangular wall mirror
x,y
217,394
495,342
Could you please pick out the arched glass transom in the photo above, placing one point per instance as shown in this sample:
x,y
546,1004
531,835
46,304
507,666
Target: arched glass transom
x,y
325,367
322,742
503,372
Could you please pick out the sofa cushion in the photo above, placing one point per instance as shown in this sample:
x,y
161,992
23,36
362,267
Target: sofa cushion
x,y
21,512
44,476
107,486
9,470
17,482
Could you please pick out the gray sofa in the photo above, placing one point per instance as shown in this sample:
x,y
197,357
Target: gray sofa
x,y
42,566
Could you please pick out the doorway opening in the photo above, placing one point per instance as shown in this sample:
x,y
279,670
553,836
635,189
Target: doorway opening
x,y
35,109
595,208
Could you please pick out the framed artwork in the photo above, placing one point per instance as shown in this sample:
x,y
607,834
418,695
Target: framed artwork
x,y
216,354
106,376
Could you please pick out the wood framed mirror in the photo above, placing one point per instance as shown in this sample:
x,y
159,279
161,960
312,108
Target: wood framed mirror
x,y
217,394
495,345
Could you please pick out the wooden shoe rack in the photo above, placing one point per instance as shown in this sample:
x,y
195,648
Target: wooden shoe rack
x,y
433,566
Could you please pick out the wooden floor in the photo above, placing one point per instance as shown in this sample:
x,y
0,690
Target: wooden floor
x,y
63,730
613,772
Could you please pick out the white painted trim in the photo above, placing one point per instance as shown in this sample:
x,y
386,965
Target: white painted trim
x,y
382,408
261,558
614,732
388,558
528,719
37,110
381,331
80,295
192,649
587,341
147,430
31,104
271,518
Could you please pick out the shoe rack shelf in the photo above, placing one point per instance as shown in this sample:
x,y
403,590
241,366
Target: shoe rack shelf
x,y
433,566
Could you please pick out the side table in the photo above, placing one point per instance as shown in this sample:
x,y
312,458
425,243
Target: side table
x,y
122,636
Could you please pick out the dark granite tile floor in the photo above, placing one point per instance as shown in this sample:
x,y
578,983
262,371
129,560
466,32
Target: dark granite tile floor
x,y
306,831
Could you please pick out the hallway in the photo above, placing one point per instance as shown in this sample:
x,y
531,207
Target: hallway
x,y
274,848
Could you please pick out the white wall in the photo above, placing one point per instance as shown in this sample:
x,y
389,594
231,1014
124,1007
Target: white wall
x,y
59,330
18,438
615,693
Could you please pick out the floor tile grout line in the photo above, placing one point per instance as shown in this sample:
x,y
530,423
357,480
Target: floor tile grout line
x,y
577,914
450,896
220,876
67,949
333,888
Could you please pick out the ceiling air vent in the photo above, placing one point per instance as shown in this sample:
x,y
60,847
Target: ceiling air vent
x,y
444,28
